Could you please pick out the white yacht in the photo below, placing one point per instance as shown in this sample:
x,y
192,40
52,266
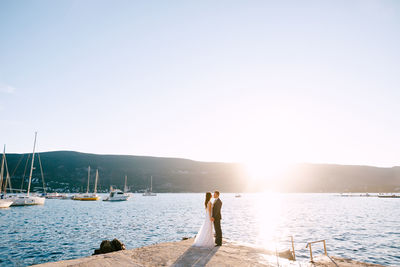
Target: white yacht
x,y
25,200
118,195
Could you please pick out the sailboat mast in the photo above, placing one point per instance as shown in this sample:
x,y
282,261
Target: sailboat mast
x,y
33,158
88,177
151,184
2,168
95,183
125,184
7,180
41,172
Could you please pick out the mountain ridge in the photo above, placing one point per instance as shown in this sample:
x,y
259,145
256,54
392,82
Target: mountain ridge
x,y
66,171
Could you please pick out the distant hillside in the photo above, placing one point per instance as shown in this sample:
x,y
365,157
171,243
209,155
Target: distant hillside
x,y
341,178
67,171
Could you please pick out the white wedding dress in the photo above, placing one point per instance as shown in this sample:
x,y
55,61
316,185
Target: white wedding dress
x,y
205,236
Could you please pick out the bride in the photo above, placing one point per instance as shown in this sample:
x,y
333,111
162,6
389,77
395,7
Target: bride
x,y
205,236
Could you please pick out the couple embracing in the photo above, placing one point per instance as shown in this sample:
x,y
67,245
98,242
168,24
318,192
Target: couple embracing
x,y
205,236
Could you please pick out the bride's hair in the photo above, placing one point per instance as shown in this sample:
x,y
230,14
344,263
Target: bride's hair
x,y
208,197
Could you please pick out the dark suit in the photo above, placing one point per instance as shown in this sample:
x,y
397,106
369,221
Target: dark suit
x,y
216,214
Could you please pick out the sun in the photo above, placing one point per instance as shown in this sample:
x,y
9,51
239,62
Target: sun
x,y
265,172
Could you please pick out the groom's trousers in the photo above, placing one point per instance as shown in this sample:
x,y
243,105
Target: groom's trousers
x,y
218,232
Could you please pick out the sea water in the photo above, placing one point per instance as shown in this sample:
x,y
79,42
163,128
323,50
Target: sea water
x,y
361,228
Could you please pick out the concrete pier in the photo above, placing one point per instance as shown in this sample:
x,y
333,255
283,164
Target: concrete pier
x,y
180,254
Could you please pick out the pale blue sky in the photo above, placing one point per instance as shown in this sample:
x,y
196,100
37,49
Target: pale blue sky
x,y
251,81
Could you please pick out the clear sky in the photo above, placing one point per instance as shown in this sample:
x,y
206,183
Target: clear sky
x,y
249,81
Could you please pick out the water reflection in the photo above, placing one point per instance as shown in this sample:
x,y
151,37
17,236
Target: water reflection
x,y
358,228
267,209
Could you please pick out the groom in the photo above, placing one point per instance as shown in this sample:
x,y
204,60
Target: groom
x,y
216,218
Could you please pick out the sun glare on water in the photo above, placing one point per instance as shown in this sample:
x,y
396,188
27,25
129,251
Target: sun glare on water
x,y
267,210
268,216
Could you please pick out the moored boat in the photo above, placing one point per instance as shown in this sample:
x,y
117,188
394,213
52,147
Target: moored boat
x,y
66,196
89,196
118,195
28,199
55,196
150,191
86,197
4,203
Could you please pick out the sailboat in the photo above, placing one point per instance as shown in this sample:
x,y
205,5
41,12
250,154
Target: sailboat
x,y
118,195
89,196
4,203
150,192
27,200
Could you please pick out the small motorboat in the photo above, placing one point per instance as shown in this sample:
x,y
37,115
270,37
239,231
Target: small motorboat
x,y
117,195
55,196
238,195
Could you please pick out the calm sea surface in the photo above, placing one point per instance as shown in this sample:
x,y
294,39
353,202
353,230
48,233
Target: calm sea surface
x,y
365,229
